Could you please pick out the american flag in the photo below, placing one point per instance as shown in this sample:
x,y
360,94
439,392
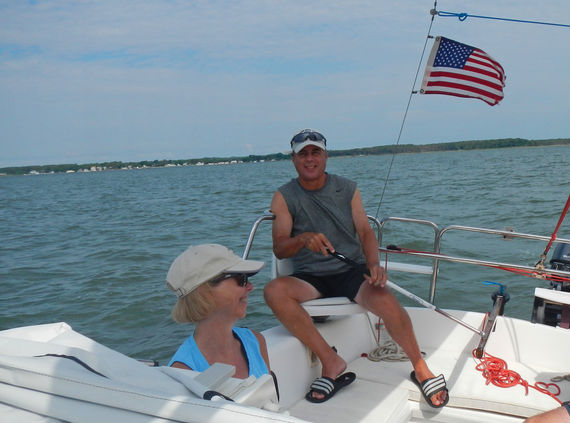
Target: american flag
x,y
457,69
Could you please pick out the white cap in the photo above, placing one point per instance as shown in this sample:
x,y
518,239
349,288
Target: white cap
x,y
308,137
201,263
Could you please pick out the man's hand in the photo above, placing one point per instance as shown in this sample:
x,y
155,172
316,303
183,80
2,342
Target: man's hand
x,y
378,276
316,242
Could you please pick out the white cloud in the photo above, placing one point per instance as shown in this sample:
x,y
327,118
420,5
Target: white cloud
x,y
137,78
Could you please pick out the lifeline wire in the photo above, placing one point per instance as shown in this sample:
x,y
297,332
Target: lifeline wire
x,y
464,16
406,112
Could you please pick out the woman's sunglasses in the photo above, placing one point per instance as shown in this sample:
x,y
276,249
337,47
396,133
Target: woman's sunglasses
x,y
241,278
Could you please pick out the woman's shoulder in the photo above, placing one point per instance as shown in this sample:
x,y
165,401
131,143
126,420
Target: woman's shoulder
x,y
259,336
257,339
243,331
249,333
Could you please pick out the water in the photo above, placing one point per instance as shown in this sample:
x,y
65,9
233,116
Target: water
x,y
93,249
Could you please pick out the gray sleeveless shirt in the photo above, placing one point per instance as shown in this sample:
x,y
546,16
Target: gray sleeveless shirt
x,y
328,211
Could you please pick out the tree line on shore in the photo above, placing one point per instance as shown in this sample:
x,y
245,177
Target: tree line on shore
x,y
378,150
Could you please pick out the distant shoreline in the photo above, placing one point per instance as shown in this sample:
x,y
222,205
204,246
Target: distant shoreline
x,y
366,151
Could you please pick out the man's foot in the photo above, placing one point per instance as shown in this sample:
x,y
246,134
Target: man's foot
x,y
327,387
440,395
332,367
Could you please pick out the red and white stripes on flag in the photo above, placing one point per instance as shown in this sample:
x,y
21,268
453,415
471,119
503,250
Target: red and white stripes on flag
x,y
461,70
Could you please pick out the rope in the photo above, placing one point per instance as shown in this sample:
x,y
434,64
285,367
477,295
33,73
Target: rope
x,y
464,16
389,350
496,372
540,263
406,112
538,274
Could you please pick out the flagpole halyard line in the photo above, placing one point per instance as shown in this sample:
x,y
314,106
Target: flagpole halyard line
x,y
464,16
428,36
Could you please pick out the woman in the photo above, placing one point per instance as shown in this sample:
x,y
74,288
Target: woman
x,y
212,286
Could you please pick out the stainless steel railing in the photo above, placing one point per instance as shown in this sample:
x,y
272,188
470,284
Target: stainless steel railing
x,y
436,254
437,242
253,231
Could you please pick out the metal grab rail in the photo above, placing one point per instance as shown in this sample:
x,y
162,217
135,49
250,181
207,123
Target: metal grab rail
x,y
437,256
270,216
436,246
252,232
504,233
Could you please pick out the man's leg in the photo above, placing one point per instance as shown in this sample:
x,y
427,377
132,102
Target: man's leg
x,y
384,304
284,295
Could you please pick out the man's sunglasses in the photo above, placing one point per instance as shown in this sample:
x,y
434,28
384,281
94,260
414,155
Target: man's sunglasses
x,y
241,278
308,135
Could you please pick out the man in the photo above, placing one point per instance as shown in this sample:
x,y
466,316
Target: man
x,y
315,214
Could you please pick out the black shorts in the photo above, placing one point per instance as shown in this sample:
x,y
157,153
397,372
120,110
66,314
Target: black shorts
x,y
344,284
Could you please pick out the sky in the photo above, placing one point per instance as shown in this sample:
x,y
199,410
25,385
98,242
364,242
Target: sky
x,y
84,81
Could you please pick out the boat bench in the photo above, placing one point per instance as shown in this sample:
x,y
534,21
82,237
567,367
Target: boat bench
x,y
352,403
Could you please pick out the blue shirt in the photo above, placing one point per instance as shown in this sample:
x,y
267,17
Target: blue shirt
x,y
189,354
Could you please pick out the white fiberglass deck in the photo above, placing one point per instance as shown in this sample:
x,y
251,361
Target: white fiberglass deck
x,y
383,391
51,389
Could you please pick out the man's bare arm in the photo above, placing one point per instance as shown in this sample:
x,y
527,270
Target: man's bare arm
x,y
284,245
368,241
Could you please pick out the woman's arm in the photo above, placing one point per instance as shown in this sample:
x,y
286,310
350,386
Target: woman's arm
x,y
263,348
180,365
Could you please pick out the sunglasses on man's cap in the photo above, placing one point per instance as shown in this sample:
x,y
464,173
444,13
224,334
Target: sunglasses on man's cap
x,y
308,135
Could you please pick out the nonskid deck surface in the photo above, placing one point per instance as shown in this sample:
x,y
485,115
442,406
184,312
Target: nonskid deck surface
x,y
383,390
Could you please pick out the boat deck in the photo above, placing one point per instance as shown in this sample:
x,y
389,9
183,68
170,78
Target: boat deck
x,y
383,391
49,388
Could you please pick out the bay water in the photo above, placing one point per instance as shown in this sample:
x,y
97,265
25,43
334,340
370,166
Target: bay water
x,y
93,249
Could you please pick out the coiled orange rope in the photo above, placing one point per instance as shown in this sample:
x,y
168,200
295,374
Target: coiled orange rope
x,y
496,372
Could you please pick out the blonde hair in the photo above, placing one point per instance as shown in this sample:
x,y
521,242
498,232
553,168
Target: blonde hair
x,y
195,306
